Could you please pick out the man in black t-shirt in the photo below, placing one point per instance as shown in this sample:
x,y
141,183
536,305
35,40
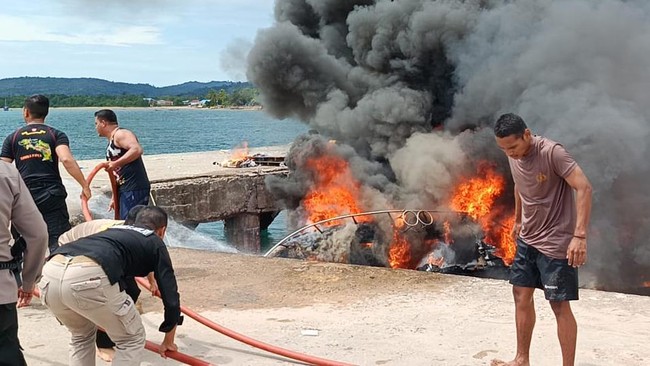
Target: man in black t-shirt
x,y
80,285
37,150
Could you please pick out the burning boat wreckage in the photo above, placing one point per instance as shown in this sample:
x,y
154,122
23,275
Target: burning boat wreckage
x,y
335,225
360,239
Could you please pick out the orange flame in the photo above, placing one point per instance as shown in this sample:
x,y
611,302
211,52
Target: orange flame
x,y
399,253
238,156
501,235
240,152
436,261
646,284
476,197
335,192
447,232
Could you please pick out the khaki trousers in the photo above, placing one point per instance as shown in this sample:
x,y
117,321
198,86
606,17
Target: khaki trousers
x,y
82,298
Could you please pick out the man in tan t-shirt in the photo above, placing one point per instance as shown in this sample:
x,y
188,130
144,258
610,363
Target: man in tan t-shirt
x,y
550,230
87,228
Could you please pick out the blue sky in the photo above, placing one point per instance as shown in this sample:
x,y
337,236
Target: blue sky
x,y
159,42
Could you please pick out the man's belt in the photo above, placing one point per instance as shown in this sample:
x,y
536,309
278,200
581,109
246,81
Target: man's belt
x,y
60,258
12,265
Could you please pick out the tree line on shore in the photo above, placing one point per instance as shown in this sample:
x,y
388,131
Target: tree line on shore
x,y
214,98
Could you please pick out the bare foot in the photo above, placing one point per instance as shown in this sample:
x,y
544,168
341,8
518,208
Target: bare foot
x,y
106,354
514,362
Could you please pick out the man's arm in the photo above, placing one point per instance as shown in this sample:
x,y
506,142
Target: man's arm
x,y
125,139
517,226
153,285
70,164
7,150
26,218
164,273
168,343
577,253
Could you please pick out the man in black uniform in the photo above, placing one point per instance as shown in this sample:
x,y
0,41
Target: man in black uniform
x,y
105,347
124,155
80,285
37,149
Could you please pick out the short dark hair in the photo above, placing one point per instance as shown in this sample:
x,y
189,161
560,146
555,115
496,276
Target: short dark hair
x,y
151,217
132,214
509,124
107,115
38,105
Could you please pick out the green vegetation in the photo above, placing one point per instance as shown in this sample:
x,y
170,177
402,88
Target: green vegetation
x,y
221,98
238,98
89,92
89,86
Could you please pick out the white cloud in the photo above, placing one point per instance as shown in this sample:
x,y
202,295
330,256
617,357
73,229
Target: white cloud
x,y
73,31
160,42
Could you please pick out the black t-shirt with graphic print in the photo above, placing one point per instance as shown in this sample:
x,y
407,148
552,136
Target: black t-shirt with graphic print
x,y
33,149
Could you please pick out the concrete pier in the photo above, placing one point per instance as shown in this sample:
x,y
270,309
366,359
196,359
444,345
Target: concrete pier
x,y
193,188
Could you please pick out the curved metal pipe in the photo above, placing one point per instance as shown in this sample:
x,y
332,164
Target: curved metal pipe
x,y
401,213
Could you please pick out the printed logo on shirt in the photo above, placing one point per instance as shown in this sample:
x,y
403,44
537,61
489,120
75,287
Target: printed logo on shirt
x,y
39,145
33,132
143,231
541,178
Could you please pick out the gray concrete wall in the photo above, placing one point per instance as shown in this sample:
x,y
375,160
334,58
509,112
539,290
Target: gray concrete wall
x,y
215,198
193,188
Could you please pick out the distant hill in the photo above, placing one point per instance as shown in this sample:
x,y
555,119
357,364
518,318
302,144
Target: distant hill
x,y
90,86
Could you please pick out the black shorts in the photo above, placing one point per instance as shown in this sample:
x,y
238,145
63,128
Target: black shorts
x,y
555,276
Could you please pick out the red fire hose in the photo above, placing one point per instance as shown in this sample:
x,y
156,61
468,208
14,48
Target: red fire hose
x,y
116,196
250,341
214,326
178,356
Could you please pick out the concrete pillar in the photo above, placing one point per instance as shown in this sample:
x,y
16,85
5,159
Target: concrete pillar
x,y
243,230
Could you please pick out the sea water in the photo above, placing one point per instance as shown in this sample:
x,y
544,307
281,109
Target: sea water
x,y
175,130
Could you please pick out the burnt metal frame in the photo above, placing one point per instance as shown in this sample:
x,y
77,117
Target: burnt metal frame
x,y
402,214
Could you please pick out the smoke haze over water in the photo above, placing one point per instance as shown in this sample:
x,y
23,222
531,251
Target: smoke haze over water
x,y
414,86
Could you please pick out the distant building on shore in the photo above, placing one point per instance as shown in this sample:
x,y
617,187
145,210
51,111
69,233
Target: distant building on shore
x,y
197,103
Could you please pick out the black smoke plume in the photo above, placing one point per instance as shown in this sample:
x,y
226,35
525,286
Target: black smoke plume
x,y
412,87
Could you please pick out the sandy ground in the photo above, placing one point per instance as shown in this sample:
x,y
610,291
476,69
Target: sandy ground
x,y
360,315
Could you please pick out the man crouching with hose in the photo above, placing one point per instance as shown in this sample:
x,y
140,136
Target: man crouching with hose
x,y
80,285
105,346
